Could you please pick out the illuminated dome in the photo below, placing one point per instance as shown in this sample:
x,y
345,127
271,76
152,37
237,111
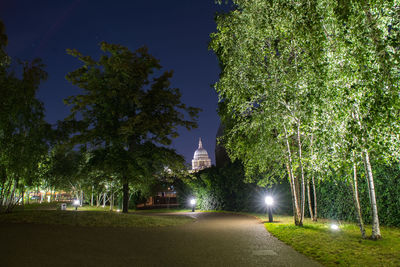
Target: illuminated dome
x,y
200,152
200,158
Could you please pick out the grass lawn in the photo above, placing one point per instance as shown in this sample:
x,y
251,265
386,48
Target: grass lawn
x,y
344,247
46,213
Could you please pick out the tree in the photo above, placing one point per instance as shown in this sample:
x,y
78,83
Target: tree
x,y
23,131
269,63
316,80
364,74
126,110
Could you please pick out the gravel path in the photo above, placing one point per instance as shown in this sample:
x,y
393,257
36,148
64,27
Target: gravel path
x,y
214,239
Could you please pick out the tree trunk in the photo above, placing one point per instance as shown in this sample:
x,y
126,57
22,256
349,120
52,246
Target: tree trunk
x,y
294,189
125,192
314,217
309,201
292,194
91,199
303,193
9,202
354,189
366,177
376,232
23,196
104,199
6,193
111,201
315,199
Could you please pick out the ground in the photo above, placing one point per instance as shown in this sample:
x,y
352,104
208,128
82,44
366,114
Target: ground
x,y
213,239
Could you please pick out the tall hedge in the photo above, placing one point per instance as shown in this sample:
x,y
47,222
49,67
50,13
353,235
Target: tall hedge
x,y
224,189
336,200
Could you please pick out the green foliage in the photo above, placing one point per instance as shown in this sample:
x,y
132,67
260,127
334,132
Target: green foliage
x,y
123,103
222,189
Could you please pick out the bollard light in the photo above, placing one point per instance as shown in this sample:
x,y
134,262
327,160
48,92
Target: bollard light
x,y
269,201
193,204
334,227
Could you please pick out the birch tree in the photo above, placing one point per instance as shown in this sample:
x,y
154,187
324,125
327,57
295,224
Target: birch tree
x,y
322,75
269,54
23,130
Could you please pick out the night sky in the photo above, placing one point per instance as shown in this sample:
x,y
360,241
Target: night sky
x,y
176,32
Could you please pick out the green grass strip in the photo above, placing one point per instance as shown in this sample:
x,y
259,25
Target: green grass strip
x,y
92,218
343,247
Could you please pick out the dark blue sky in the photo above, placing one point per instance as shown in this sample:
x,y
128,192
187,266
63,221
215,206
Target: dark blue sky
x,y
176,32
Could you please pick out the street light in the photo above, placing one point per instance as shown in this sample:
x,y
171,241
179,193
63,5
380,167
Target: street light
x,y
76,203
269,201
193,204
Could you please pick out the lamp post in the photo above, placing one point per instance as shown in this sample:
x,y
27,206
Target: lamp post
x,y
193,204
76,203
269,201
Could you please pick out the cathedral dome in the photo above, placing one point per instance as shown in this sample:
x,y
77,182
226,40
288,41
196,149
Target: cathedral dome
x,y
200,158
200,153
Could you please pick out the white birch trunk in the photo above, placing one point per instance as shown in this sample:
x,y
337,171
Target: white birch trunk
x,y
296,208
309,201
303,194
314,217
354,188
376,232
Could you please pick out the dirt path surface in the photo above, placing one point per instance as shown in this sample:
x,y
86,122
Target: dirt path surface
x,y
214,239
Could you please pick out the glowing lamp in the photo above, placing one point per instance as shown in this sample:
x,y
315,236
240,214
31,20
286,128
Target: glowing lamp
x,y
76,203
334,227
193,203
269,201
